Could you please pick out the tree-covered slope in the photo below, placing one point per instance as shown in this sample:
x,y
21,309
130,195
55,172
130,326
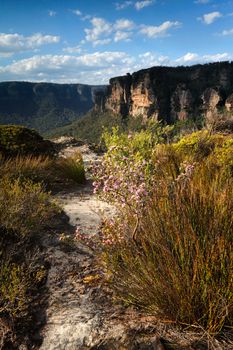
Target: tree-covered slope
x,y
44,106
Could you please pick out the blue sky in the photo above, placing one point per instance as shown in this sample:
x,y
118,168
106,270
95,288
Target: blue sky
x,y
90,41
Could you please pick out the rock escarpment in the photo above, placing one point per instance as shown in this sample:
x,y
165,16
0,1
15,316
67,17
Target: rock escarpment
x,y
172,93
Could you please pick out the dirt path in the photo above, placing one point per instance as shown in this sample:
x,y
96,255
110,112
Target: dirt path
x,y
84,209
80,315
72,319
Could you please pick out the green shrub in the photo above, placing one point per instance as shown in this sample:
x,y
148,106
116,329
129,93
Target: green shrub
x,y
199,145
172,255
176,260
71,168
14,285
223,156
15,140
24,206
25,211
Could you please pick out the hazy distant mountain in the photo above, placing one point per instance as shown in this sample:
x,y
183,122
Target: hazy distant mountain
x,y
44,106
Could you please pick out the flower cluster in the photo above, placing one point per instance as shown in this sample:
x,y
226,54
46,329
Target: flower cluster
x,y
122,179
86,239
107,237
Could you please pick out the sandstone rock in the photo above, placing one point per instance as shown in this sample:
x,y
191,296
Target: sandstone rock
x,y
211,99
171,93
229,103
181,103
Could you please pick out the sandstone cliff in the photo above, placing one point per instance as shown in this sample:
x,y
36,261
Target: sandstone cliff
x,y
171,93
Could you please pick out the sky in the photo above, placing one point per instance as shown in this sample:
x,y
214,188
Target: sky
x,y
90,41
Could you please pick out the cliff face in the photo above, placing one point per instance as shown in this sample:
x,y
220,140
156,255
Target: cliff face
x,y
172,93
44,106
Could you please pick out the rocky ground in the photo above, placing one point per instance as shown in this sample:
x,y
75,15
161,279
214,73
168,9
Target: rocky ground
x,y
79,311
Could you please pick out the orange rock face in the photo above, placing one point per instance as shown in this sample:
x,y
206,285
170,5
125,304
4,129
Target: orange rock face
x,y
173,93
229,103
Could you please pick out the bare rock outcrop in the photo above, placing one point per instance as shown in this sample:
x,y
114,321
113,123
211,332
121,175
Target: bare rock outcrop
x,y
229,103
211,99
172,93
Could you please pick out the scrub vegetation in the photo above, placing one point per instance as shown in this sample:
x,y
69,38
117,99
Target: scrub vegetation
x,y
169,249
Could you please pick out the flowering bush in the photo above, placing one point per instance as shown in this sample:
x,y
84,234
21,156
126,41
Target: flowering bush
x,y
125,175
168,249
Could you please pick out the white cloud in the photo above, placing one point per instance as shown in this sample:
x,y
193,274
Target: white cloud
x,y
77,12
187,58
227,32
52,13
15,43
95,68
102,42
123,24
100,28
123,5
191,58
122,36
103,32
139,5
150,59
73,49
202,2
217,57
209,18
159,31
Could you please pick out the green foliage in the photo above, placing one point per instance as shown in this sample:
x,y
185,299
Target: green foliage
x,y
105,121
15,140
172,256
223,156
24,206
43,106
90,127
36,168
199,145
15,281
141,143
71,168
26,211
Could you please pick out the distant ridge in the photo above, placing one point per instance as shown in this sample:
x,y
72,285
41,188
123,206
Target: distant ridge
x,y
44,106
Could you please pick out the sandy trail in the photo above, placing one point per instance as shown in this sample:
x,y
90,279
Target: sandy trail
x,y
84,209
72,319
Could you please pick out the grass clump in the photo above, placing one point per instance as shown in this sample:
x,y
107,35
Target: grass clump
x,y
71,168
26,212
179,263
24,205
169,250
36,168
15,281
200,144
22,276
